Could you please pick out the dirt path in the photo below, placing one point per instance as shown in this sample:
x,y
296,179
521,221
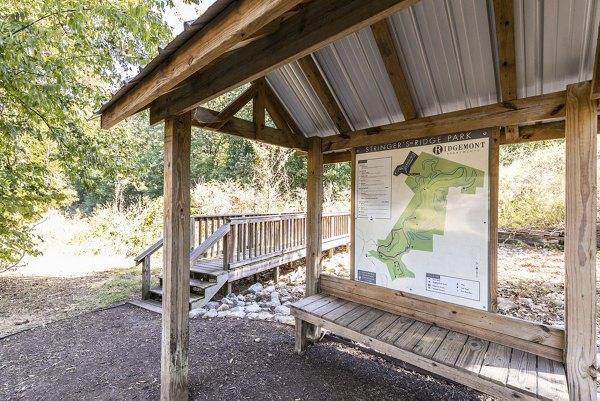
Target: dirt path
x,y
115,354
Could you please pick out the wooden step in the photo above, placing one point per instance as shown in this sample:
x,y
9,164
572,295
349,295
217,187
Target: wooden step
x,y
195,299
148,304
195,284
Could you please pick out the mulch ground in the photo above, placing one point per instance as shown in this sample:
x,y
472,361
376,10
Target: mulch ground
x,y
114,354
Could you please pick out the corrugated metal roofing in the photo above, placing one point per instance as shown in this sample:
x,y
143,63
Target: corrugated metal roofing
x,y
295,92
447,49
555,42
355,71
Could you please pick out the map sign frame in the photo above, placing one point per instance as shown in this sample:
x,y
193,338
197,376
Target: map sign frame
x,y
422,216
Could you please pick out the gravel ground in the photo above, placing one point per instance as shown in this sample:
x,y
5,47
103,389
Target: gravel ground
x,y
114,354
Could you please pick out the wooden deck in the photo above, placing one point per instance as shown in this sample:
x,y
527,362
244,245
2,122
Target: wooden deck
x,y
226,248
492,368
249,266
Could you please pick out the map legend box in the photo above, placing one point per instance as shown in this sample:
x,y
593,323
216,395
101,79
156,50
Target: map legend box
x,y
456,287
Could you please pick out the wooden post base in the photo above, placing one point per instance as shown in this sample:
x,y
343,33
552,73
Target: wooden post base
x,y
276,275
301,331
229,287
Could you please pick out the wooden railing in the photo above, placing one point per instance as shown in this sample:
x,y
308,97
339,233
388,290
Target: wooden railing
x,y
260,237
246,238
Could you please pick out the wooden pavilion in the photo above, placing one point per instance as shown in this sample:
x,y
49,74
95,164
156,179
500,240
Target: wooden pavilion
x,y
335,75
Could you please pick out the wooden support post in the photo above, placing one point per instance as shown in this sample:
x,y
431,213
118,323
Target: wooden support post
x,y
580,242
330,255
350,247
229,288
146,275
493,219
276,275
176,283
314,221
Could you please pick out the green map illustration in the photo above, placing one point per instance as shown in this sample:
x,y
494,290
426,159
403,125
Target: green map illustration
x,y
429,177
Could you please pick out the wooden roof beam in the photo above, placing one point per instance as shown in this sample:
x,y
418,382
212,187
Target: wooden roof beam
x,y
507,66
258,109
520,111
318,24
229,111
387,48
245,129
325,95
595,92
240,20
279,113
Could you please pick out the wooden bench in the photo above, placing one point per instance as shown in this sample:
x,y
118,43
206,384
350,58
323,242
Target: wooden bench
x,y
498,370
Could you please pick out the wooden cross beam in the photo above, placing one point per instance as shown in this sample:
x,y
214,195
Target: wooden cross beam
x,y
229,111
387,48
318,24
246,129
519,111
325,95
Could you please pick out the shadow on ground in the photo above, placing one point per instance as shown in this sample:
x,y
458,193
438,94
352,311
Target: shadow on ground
x,y
115,354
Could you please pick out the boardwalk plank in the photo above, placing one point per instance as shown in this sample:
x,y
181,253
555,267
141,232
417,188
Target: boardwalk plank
x,y
471,356
523,372
495,364
450,348
430,341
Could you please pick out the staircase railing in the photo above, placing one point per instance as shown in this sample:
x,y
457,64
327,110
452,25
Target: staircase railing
x,y
245,238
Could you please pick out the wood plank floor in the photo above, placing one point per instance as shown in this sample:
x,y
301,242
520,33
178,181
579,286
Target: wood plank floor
x,y
214,265
492,368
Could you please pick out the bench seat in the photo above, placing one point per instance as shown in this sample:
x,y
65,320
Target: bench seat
x,y
495,369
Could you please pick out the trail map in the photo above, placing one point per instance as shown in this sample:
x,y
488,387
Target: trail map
x,y
422,217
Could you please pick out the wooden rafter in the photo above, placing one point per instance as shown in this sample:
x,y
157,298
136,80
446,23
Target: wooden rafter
x,y
387,48
507,66
318,24
229,111
241,19
595,92
278,111
505,33
245,129
519,111
258,109
319,85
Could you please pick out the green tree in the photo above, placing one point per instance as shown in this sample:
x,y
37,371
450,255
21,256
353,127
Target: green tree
x,y
58,61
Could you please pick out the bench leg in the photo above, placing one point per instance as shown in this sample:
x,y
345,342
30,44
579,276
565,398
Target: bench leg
x,y
313,333
301,331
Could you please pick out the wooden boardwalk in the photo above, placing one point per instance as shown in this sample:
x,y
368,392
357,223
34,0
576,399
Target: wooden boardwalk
x,y
493,368
226,248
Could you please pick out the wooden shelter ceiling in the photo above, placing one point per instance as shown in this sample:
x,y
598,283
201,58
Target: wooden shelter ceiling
x,y
360,72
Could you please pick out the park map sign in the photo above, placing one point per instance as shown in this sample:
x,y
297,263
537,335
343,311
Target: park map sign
x,y
422,217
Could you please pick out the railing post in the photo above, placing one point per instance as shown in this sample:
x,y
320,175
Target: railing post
x,y
146,277
192,233
227,249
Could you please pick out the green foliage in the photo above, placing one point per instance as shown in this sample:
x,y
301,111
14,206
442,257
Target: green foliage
x,y
58,61
532,186
123,233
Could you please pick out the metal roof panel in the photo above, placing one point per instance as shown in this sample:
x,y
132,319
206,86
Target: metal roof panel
x,y
295,92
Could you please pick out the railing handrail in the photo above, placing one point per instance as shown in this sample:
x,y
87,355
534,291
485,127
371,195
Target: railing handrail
x,y
209,242
281,216
239,215
155,247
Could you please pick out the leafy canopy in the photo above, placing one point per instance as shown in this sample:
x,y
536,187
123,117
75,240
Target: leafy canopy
x,y
58,61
